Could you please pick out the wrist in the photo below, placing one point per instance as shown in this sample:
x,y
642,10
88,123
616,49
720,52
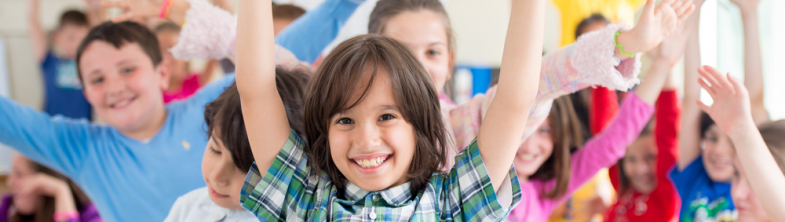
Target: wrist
x,y
748,12
741,127
627,41
664,61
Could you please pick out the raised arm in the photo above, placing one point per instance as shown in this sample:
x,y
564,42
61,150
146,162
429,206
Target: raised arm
x,y
689,136
731,112
753,67
34,29
265,116
500,134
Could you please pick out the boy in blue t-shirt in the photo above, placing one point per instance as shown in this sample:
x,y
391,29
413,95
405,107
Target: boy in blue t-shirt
x,y
63,91
134,167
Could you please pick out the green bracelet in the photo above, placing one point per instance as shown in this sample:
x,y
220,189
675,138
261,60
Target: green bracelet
x,y
631,55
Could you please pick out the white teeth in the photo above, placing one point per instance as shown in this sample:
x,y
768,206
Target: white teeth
x,y
121,103
527,157
370,163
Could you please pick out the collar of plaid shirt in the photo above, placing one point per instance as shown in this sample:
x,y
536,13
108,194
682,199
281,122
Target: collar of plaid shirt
x,y
396,196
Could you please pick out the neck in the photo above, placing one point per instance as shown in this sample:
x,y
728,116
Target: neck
x,y
149,129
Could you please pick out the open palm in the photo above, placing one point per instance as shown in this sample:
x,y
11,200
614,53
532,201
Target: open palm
x,y
731,105
658,22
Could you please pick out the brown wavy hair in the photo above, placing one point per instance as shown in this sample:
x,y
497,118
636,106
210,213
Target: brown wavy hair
x,y
567,137
773,134
46,209
340,77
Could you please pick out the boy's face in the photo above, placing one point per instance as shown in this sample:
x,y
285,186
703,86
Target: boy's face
x,y
68,37
224,180
123,85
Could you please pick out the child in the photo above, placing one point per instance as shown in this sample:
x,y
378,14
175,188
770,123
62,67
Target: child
x,y
41,194
148,153
228,156
182,83
375,134
63,94
549,169
283,15
759,165
705,165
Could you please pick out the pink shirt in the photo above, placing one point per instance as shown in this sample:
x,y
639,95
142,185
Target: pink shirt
x,y
603,150
190,86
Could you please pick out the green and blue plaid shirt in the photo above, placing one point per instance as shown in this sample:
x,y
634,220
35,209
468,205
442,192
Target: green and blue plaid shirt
x,y
290,191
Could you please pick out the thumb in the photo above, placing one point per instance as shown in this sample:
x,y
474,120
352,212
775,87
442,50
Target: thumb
x,y
649,8
738,87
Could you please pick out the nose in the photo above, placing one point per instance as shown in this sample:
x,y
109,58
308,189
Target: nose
x,y
367,136
114,85
218,176
740,190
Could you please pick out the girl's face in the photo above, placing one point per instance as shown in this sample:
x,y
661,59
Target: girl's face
x,y
371,143
224,180
534,151
22,169
744,199
639,164
718,155
424,32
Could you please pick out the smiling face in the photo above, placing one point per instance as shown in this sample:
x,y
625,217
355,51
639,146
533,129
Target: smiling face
x,y
22,169
534,151
744,199
639,164
123,85
371,143
425,33
718,154
224,180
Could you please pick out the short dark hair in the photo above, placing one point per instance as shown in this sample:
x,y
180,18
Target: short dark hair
x,y
705,123
596,17
224,115
167,26
567,137
73,17
287,11
341,75
119,34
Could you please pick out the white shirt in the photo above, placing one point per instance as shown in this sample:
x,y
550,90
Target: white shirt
x,y
196,206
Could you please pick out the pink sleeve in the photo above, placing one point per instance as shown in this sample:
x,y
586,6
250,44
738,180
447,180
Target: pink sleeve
x,y
607,147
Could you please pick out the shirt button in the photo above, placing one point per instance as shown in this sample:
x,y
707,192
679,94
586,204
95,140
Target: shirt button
x,y
372,216
376,198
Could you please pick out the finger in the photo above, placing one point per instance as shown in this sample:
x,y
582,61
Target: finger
x,y
710,74
738,86
681,9
707,87
114,4
676,4
686,14
649,7
703,107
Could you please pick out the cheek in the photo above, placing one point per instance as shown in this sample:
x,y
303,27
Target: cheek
x,y
339,141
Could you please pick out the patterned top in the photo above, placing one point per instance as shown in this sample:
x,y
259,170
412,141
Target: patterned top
x,y
292,191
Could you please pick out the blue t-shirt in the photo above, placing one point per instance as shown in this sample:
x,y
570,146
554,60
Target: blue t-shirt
x,y
701,198
63,90
127,179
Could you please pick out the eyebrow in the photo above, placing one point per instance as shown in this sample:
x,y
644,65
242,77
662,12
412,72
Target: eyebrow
x,y
390,107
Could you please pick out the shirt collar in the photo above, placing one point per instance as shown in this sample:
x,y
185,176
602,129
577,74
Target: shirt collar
x,y
395,196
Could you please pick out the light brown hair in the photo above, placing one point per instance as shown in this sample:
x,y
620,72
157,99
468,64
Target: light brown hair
x,y
773,134
567,138
386,9
338,79
287,11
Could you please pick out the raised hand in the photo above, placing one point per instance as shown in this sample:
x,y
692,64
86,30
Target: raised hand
x,y
655,24
44,185
134,9
673,47
731,106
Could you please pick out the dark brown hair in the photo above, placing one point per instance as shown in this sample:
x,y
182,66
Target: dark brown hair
x,y
386,9
567,138
773,134
224,115
167,26
73,17
46,209
287,11
594,18
119,34
340,77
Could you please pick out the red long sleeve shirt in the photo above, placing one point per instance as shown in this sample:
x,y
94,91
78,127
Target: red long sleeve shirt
x,y
663,203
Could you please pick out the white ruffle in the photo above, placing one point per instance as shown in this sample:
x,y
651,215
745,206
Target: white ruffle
x,y
593,60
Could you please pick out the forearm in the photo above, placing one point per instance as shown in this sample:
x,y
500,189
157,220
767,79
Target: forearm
x,y
762,171
500,133
64,200
652,83
753,67
36,32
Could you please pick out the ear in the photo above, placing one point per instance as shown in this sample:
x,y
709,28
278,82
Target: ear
x,y
164,72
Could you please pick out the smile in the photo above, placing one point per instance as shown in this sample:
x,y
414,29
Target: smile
x,y
371,163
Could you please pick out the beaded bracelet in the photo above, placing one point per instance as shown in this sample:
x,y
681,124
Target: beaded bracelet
x,y
165,9
618,45
65,216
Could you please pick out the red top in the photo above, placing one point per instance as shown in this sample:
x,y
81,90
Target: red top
x,y
663,203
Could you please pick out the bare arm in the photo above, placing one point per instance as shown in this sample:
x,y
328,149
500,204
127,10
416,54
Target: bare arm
x,y
669,53
689,136
753,67
37,36
499,135
731,111
655,24
264,113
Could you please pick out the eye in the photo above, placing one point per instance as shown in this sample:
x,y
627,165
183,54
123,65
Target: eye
x,y
386,117
433,52
97,80
127,70
345,121
212,150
